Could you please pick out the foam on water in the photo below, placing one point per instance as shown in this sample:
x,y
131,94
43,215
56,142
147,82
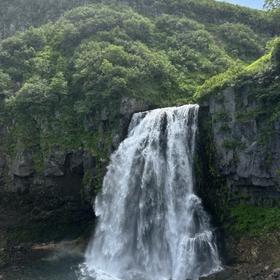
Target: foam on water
x,y
151,225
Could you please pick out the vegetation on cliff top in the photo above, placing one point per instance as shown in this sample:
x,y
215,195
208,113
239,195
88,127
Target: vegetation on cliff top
x,y
17,15
54,77
58,79
239,71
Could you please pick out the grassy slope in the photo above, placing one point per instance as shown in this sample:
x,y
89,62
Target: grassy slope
x,y
53,77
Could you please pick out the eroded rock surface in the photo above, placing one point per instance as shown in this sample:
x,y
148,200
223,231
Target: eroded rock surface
x,y
246,150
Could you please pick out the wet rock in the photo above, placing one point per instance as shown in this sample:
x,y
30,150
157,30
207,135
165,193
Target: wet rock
x,y
225,274
115,142
23,165
3,131
2,166
89,162
55,163
274,275
21,185
132,105
76,162
248,165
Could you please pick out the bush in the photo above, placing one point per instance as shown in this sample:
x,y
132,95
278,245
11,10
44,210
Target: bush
x,y
254,221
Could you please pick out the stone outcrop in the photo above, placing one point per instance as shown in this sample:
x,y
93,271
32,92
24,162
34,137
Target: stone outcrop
x,y
246,151
23,165
238,166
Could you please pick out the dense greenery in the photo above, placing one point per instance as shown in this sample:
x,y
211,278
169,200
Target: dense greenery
x,y
17,15
20,14
254,221
272,4
57,80
55,77
239,71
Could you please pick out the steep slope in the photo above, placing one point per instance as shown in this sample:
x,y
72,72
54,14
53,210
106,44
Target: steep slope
x,y
18,15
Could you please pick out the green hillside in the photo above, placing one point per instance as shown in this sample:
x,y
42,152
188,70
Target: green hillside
x,y
54,77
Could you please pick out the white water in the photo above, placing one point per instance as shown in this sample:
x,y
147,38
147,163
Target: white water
x,y
151,225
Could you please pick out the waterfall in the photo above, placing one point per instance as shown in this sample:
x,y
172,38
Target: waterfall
x,y
151,225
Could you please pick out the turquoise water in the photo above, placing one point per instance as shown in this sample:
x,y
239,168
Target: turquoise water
x,y
62,269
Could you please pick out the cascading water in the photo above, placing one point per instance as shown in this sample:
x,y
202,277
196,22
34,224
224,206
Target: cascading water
x,y
151,224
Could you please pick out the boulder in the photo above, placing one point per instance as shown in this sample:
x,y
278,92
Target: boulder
x,y
2,166
23,165
274,275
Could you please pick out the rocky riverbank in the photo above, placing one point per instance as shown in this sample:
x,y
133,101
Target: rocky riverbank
x,y
254,258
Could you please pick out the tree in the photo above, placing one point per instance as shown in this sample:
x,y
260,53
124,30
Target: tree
x,y
276,53
272,4
273,8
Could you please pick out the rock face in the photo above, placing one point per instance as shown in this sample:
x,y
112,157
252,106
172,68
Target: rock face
x,y
2,166
23,164
245,153
55,163
238,165
54,200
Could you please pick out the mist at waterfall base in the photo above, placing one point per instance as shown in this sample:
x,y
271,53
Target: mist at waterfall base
x,y
151,225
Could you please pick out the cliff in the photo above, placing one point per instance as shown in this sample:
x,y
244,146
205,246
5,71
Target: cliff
x,y
68,90
238,169
241,116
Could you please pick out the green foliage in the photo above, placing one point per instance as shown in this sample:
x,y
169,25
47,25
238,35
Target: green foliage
x,y
273,12
240,41
53,79
5,84
239,72
272,4
276,52
220,81
105,71
254,221
38,96
18,15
